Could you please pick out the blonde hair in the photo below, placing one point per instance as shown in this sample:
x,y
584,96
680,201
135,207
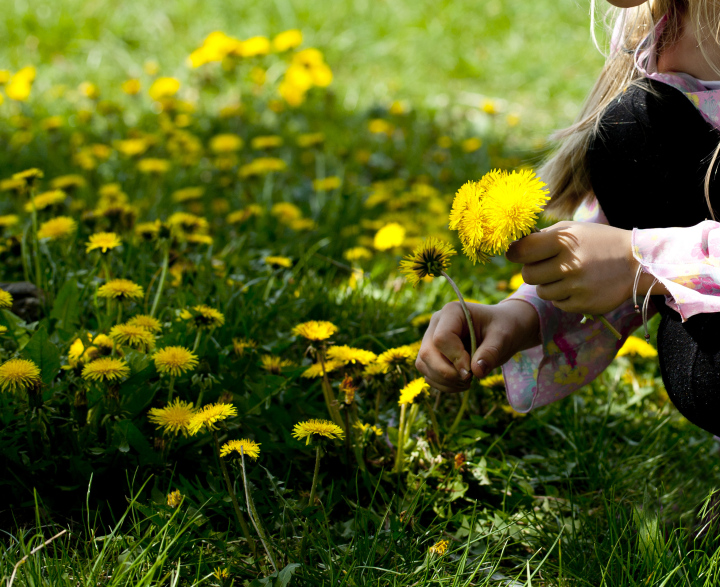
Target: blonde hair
x,y
565,171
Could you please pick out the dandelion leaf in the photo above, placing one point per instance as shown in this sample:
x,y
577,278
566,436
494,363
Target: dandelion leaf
x,y
44,354
278,579
66,309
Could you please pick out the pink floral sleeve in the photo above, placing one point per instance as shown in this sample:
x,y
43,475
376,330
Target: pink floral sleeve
x,y
572,353
686,261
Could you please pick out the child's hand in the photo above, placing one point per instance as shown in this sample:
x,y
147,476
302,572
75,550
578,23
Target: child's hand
x,y
501,331
581,267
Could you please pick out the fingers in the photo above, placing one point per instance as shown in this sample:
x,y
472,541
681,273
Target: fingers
x,y
443,359
490,353
534,247
557,291
544,272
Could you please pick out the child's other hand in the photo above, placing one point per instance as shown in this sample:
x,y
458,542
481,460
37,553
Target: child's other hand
x,y
501,331
580,267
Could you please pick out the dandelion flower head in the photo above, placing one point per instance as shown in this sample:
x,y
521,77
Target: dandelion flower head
x,y
389,236
635,346
401,355
203,316
274,364
315,330
18,374
245,446
412,391
57,228
317,430
346,354
174,498
439,548
146,322
430,258
105,369
240,344
316,370
466,217
173,418
135,337
6,299
121,289
175,360
209,416
103,241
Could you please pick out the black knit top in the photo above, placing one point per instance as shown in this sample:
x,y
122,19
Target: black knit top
x,y
647,167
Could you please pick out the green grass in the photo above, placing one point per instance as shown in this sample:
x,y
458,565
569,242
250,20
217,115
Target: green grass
x,y
536,58
604,488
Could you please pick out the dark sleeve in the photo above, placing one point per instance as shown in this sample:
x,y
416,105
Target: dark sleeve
x,y
647,162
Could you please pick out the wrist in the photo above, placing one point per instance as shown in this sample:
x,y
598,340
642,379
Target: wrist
x,y
525,323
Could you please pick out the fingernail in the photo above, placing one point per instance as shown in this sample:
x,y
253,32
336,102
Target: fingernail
x,y
484,367
464,373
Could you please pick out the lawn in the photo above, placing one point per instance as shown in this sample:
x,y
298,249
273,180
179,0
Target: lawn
x,y
213,381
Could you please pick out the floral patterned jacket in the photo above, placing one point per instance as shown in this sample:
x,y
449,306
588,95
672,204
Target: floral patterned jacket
x,y
685,260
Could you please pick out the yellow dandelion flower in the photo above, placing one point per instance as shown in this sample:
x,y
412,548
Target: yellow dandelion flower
x,y
471,145
173,418
133,336
131,87
439,548
245,446
316,370
389,236
266,142
511,207
430,258
9,220
466,217
225,143
210,415
346,354
18,375
310,139
46,200
421,320
635,346
68,183
175,360
286,212
6,299
240,216
104,342
153,165
121,290
277,261
327,184
164,87
57,228
401,355
413,391
493,381
287,40
315,330
188,222
275,365
3,330
240,344
317,430
516,281
219,573
375,369
262,166
188,194
105,369
147,322
29,176
357,254
104,241
203,317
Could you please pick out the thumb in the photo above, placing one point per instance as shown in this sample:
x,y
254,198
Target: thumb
x,y
489,354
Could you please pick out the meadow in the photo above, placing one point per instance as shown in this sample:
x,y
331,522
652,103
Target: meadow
x,y
207,376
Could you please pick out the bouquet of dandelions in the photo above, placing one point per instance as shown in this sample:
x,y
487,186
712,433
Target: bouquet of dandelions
x,y
488,215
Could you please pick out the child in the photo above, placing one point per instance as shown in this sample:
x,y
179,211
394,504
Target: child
x,y
640,159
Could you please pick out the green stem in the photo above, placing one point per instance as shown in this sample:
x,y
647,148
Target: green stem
x,y
433,419
166,260
401,442
36,244
473,348
197,340
254,518
240,518
610,327
329,396
311,500
171,388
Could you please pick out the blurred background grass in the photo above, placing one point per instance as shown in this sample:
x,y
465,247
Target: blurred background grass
x,y
535,58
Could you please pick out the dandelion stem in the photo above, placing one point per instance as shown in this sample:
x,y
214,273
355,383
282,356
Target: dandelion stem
x,y
240,518
254,518
166,260
433,419
401,441
36,244
610,327
311,500
473,348
197,340
328,394
171,388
